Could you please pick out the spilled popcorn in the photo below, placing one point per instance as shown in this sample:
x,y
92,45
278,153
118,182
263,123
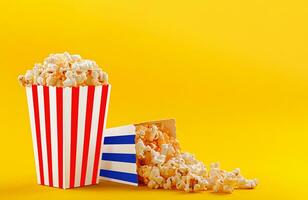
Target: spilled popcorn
x,y
161,164
64,70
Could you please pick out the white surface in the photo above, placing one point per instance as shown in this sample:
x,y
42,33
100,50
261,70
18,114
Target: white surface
x,y
43,132
54,134
119,166
33,131
80,132
67,98
119,148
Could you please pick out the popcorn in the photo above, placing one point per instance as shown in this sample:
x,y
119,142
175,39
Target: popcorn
x,y
161,164
157,158
64,70
247,184
223,181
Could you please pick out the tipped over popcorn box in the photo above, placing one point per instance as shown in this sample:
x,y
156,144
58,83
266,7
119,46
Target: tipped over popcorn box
x,y
149,154
67,126
119,159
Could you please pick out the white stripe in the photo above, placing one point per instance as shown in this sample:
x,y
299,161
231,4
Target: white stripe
x,y
106,109
122,130
54,134
119,166
119,148
104,127
80,132
93,134
43,132
118,181
33,131
67,104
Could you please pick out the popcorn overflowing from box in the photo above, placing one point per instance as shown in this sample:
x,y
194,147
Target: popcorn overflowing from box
x,y
68,101
64,70
149,154
67,122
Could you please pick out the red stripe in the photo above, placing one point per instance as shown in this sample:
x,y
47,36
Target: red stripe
x,y
38,131
74,124
101,123
48,137
60,134
90,97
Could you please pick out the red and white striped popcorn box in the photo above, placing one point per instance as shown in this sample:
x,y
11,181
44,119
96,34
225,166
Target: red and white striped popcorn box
x,y
119,152
67,127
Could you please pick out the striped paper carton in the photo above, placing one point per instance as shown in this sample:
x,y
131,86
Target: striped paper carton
x,y
67,126
119,153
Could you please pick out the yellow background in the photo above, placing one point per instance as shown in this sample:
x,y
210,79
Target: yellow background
x,y
234,74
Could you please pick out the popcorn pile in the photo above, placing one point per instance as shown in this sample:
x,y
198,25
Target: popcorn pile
x,y
64,70
160,164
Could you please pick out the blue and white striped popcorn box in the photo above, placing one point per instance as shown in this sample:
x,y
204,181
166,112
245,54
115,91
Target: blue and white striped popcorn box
x,y
118,160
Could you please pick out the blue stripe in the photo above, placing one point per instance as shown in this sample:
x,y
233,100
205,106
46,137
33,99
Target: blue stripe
x,y
120,157
123,139
123,176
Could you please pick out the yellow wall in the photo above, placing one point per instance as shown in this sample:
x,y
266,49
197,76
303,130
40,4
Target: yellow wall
x,y
234,74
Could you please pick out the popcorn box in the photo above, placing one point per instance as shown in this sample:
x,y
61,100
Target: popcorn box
x,y
67,125
118,159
